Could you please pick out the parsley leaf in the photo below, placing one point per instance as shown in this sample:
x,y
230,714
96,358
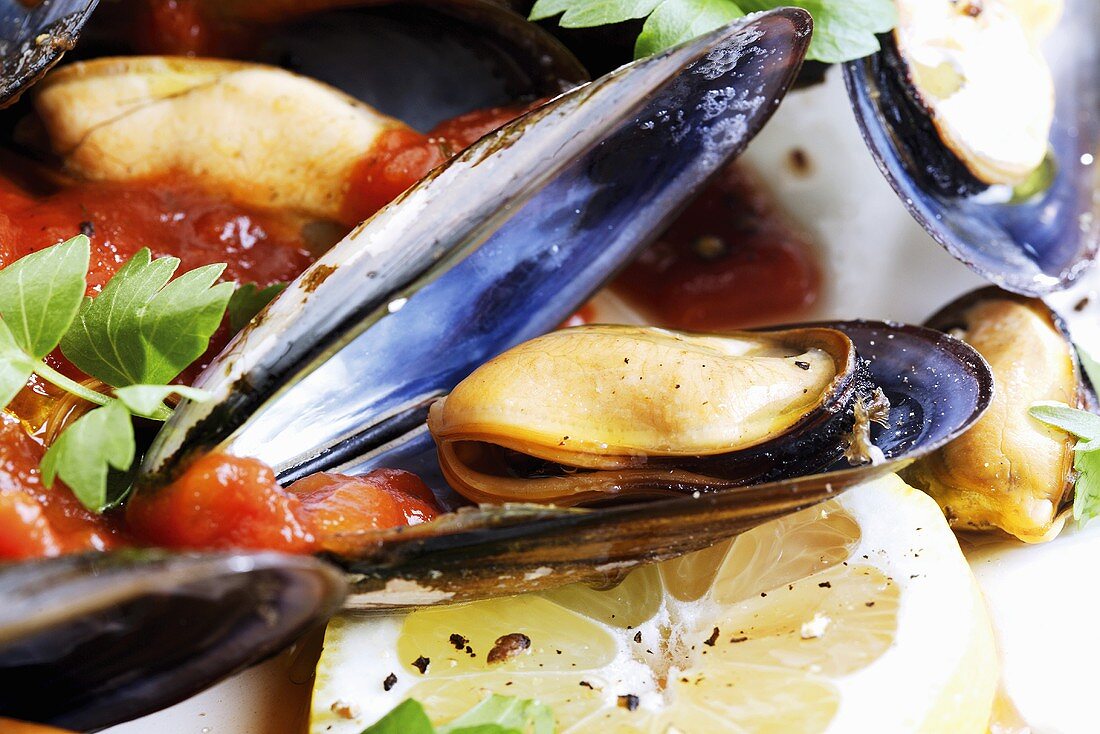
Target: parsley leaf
x,y
41,293
843,29
138,334
144,330
494,715
247,301
1086,492
1086,461
1080,423
504,714
81,455
148,400
407,717
1091,368
676,21
15,366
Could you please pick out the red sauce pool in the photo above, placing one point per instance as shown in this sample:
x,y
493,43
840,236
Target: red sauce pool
x,y
731,260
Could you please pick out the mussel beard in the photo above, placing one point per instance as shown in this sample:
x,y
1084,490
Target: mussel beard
x,y
491,466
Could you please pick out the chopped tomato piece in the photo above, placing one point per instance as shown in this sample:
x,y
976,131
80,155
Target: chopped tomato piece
x,y
36,520
222,502
342,506
400,157
463,131
24,530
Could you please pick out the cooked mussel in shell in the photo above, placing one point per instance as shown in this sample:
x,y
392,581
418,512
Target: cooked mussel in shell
x,y
257,134
1009,471
595,412
988,134
975,89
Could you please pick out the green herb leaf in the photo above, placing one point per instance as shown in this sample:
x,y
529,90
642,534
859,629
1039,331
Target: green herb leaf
x,y
407,718
1086,460
843,29
1079,423
81,456
41,293
144,330
677,21
15,366
494,715
248,300
504,715
591,13
1091,367
148,400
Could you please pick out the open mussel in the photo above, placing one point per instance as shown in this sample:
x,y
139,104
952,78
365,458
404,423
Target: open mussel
x,y
937,386
498,247
989,135
617,412
1009,472
90,641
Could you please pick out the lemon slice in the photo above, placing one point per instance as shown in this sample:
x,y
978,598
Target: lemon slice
x,y
859,615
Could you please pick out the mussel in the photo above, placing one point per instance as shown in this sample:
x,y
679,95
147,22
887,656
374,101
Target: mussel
x,y
33,37
603,412
936,384
1009,472
498,246
89,641
990,136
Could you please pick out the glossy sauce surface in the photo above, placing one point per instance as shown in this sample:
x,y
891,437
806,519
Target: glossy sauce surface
x,y
731,260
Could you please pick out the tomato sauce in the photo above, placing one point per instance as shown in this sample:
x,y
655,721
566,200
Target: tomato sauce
x,y
38,521
402,156
170,216
229,502
731,260
343,508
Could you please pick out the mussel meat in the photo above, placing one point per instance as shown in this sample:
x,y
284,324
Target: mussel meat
x,y
1009,471
597,412
258,134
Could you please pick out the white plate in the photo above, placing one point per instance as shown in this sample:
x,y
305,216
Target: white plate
x,y
879,264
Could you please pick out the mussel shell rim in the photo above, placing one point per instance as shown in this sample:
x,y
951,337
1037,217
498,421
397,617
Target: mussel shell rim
x,y
148,578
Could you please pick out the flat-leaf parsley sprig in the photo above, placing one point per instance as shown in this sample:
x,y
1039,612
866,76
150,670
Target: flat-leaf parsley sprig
x,y
1085,426
843,29
138,334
